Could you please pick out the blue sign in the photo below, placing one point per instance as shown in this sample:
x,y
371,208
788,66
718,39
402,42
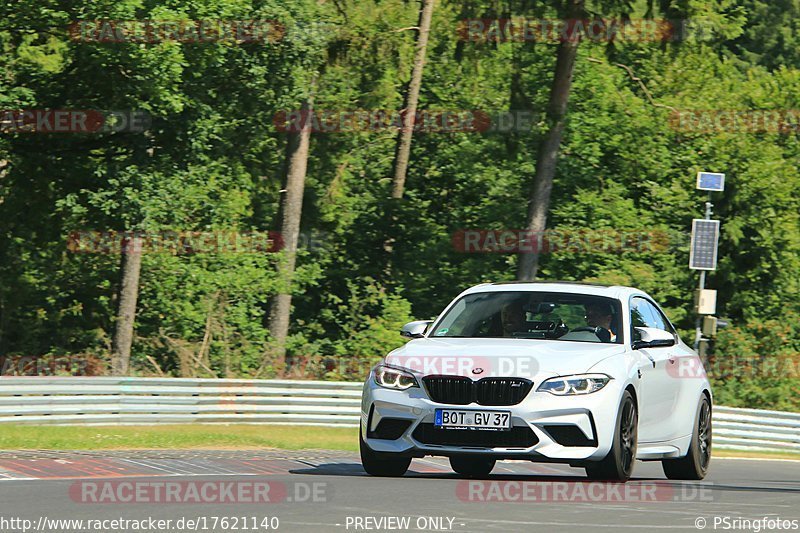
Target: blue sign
x,y
710,181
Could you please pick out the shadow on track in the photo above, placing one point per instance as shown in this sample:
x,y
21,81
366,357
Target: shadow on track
x,y
353,469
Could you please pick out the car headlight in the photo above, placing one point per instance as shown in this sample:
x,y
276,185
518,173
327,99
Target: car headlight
x,y
572,385
394,378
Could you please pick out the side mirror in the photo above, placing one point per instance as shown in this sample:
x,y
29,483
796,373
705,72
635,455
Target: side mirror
x,y
652,338
415,330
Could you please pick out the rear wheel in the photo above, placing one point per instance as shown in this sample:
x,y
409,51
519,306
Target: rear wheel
x,y
618,464
695,464
472,466
379,464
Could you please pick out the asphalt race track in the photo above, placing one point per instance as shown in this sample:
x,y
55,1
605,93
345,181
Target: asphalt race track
x,y
328,491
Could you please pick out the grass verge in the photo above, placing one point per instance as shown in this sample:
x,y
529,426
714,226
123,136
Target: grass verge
x,y
235,436
757,455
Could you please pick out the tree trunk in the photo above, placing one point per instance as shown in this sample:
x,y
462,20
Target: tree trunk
x,y
403,148
131,263
291,208
539,203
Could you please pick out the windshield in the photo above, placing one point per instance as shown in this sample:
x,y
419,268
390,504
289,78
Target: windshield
x,y
533,315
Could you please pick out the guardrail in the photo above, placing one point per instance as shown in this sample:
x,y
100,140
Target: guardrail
x,y
755,429
103,401
108,400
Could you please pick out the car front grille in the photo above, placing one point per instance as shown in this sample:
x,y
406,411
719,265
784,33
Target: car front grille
x,y
502,391
517,437
452,390
456,390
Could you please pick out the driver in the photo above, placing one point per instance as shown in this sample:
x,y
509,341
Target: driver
x,y
513,318
599,315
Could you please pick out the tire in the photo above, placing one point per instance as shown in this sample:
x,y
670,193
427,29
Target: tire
x,y
694,466
379,465
472,466
618,464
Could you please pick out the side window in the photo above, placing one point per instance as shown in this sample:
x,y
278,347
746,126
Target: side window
x,y
644,314
654,318
660,319
639,317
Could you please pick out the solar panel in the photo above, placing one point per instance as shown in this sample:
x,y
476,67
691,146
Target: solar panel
x,y
705,241
710,181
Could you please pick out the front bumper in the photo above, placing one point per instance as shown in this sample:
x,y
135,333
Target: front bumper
x,y
546,428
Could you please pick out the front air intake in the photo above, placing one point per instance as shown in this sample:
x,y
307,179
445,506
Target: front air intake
x,y
517,437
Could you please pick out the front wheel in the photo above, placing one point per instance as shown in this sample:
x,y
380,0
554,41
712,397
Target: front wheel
x,y
472,466
379,465
694,465
618,464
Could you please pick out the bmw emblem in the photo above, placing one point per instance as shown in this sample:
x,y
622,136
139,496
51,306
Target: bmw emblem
x,y
477,370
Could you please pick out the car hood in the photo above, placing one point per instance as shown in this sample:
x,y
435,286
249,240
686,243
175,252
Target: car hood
x,y
479,358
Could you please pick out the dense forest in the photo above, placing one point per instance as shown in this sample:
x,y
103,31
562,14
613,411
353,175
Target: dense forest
x,y
249,198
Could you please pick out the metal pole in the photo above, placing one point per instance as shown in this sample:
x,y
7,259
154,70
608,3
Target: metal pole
x,y
702,284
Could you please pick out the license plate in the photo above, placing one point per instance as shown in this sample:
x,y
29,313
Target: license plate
x,y
465,419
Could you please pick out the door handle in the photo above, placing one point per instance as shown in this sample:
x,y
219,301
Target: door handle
x,y
672,359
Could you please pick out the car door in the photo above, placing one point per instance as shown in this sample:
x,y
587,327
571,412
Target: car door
x,y
658,388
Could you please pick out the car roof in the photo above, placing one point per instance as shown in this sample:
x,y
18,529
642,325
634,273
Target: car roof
x,y
571,287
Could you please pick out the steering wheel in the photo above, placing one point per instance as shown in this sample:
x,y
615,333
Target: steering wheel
x,y
559,330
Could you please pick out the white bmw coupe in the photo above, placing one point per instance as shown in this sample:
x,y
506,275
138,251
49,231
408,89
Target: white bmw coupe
x,y
592,376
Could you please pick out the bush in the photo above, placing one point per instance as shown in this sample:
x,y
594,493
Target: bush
x,y
757,365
